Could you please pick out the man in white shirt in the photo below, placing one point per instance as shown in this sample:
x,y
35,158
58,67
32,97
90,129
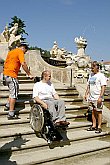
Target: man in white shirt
x,y
94,93
44,94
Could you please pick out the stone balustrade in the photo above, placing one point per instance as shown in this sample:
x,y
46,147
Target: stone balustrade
x,y
37,65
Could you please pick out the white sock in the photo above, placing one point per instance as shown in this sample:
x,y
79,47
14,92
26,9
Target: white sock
x,y
7,105
11,113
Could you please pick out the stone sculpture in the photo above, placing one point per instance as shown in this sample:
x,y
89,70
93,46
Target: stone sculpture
x,y
10,35
54,50
58,53
13,36
81,41
4,36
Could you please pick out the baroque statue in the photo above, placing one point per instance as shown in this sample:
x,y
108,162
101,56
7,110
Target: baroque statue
x,y
81,42
13,37
58,53
4,36
10,35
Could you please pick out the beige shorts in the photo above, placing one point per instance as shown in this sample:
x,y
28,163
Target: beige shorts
x,y
94,105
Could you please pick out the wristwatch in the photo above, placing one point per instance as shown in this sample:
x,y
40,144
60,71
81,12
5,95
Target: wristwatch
x,y
101,97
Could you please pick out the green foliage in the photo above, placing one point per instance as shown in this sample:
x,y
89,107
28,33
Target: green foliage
x,y
21,26
34,48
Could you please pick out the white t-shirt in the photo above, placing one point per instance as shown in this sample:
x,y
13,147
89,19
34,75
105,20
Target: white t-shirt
x,y
43,90
95,82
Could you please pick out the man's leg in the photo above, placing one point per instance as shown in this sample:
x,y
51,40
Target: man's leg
x,y
99,119
94,118
99,115
61,110
9,104
52,109
12,103
13,89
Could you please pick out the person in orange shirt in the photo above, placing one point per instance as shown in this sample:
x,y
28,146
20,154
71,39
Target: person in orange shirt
x,y
15,59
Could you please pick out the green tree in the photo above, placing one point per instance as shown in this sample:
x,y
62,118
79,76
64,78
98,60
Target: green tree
x,y
21,26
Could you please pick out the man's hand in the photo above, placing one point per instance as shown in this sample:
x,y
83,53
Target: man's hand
x,y
99,102
31,76
44,105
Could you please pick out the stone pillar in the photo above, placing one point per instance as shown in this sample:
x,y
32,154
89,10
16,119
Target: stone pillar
x,y
81,50
81,45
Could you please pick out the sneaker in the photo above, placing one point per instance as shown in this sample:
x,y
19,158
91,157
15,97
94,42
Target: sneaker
x,y
99,130
12,117
6,108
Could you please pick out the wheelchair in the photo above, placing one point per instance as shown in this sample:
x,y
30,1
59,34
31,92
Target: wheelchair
x,y
41,123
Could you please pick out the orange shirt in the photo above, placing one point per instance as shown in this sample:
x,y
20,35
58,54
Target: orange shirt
x,y
13,62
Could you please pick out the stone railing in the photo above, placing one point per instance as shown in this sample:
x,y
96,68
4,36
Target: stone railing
x,y
37,65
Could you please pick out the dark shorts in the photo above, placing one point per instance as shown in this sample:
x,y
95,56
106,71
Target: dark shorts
x,y
13,86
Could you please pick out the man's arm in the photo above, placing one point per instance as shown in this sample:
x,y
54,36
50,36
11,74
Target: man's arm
x,y
101,94
87,92
56,96
42,103
25,68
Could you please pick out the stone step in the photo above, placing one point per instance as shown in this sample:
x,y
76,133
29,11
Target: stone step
x,y
22,87
5,94
25,81
72,113
29,101
47,155
74,110
65,88
21,77
33,142
57,86
25,108
13,128
16,127
22,74
67,107
100,157
24,118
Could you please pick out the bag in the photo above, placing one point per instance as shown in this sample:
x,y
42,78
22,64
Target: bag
x,y
88,114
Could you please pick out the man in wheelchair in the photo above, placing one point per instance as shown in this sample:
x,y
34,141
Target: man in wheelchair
x,y
44,94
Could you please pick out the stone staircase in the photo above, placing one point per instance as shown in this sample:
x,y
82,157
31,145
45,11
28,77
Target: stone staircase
x,y
19,145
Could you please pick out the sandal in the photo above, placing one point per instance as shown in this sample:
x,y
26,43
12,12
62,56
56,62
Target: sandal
x,y
98,130
91,129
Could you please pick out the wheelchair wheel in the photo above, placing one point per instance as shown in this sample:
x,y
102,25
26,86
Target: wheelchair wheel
x,y
36,118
